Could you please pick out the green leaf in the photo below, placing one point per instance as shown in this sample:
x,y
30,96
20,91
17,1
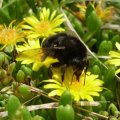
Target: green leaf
x,y
78,26
110,78
4,17
22,114
12,67
104,47
66,98
25,113
108,94
20,76
64,2
65,112
26,70
115,38
31,4
24,90
103,102
90,8
93,22
92,42
9,48
37,117
96,70
12,106
112,108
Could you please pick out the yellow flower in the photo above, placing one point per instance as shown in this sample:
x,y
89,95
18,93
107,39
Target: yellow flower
x,y
47,24
10,35
115,58
30,44
78,89
82,11
31,52
102,12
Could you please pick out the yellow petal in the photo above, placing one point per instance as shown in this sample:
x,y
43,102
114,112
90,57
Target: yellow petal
x,y
52,80
114,54
117,45
115,62
31,20
53,86
36,66
49,60
55,92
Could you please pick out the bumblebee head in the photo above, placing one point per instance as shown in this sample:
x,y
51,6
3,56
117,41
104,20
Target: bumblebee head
x,y
56,41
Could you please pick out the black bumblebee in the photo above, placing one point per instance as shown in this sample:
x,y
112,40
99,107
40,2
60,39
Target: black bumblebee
x,y
68,50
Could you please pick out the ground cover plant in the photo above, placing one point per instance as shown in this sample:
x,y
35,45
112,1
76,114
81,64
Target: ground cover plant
x,y
39,82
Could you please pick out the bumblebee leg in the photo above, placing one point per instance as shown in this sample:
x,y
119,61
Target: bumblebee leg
x,y
85,71
77,72
50,71
78,64
79,69
63,67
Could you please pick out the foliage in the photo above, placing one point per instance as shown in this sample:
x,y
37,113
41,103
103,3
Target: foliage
x,y
26,90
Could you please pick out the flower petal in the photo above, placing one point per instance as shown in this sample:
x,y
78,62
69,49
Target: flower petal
x,y
78,89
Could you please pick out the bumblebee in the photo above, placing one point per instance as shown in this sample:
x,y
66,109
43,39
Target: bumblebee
x,y
68,50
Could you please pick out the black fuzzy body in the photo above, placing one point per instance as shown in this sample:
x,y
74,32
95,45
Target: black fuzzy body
x,y
68,50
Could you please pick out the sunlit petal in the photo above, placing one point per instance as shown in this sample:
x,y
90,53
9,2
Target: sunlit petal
x,y
104,13
78,89
47,24
10,35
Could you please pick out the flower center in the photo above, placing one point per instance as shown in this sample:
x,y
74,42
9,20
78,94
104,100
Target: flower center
x,y
43,27
75,85
7,36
